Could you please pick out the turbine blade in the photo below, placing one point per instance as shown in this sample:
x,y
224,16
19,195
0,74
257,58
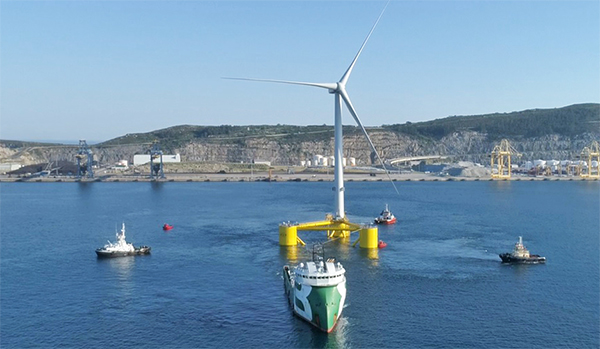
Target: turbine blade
x,y
346,75
346,99
329,86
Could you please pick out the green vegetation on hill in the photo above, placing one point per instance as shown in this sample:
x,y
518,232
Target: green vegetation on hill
x,y
567,121
180,135
24,144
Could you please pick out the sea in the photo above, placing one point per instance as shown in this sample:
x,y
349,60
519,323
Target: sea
x,y
215,280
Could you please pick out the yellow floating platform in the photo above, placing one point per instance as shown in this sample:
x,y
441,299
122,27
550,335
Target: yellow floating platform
x,y
368,234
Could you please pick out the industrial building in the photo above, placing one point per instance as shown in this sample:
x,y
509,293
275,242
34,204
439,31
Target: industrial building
x,y
141,159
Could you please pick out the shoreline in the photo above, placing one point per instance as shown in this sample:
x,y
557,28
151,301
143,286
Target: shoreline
x,y
282,177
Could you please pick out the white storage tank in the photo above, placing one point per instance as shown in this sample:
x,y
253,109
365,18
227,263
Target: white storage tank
x,y
352,161
317,160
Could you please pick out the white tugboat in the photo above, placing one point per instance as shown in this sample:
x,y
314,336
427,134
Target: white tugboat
x,y
317,290
520,255
121,248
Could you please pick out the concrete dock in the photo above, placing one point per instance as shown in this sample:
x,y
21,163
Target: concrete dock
x,y
282,177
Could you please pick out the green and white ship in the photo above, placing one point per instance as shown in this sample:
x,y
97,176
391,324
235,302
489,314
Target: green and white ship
x,y
317,291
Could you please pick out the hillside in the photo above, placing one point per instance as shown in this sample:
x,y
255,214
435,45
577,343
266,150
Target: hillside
x,y
568,121
559,133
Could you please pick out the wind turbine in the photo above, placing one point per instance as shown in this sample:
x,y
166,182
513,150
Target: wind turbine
x,y
338,89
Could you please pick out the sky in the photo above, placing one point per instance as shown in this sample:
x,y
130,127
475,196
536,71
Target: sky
x,y
97,70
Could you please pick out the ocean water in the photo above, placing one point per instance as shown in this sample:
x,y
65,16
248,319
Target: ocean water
x,y
215,281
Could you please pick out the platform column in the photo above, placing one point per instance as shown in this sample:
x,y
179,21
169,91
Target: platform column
x,y
368,237
288,235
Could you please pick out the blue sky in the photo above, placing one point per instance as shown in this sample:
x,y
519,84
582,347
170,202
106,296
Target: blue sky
x,y
97,70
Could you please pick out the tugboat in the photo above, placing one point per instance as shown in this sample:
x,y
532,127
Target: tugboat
x,y
316,290
520,255
121,248
385,217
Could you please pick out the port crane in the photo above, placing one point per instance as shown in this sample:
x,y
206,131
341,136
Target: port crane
x,y
156,168
84,154
591,157
501,159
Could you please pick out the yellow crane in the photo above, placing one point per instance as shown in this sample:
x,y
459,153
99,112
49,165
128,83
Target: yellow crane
x,y
501,156
591,156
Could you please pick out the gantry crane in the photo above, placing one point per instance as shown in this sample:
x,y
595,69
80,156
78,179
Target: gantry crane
x,y
156,169
501,156
84,153
591,156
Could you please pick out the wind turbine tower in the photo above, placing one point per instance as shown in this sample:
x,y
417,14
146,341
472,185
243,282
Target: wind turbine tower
x,y
337,226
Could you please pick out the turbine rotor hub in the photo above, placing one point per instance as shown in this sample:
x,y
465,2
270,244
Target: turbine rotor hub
x,y
338,87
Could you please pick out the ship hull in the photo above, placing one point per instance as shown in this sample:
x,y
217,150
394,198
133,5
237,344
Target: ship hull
x,y
114,254
385,221
507,258
321,306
